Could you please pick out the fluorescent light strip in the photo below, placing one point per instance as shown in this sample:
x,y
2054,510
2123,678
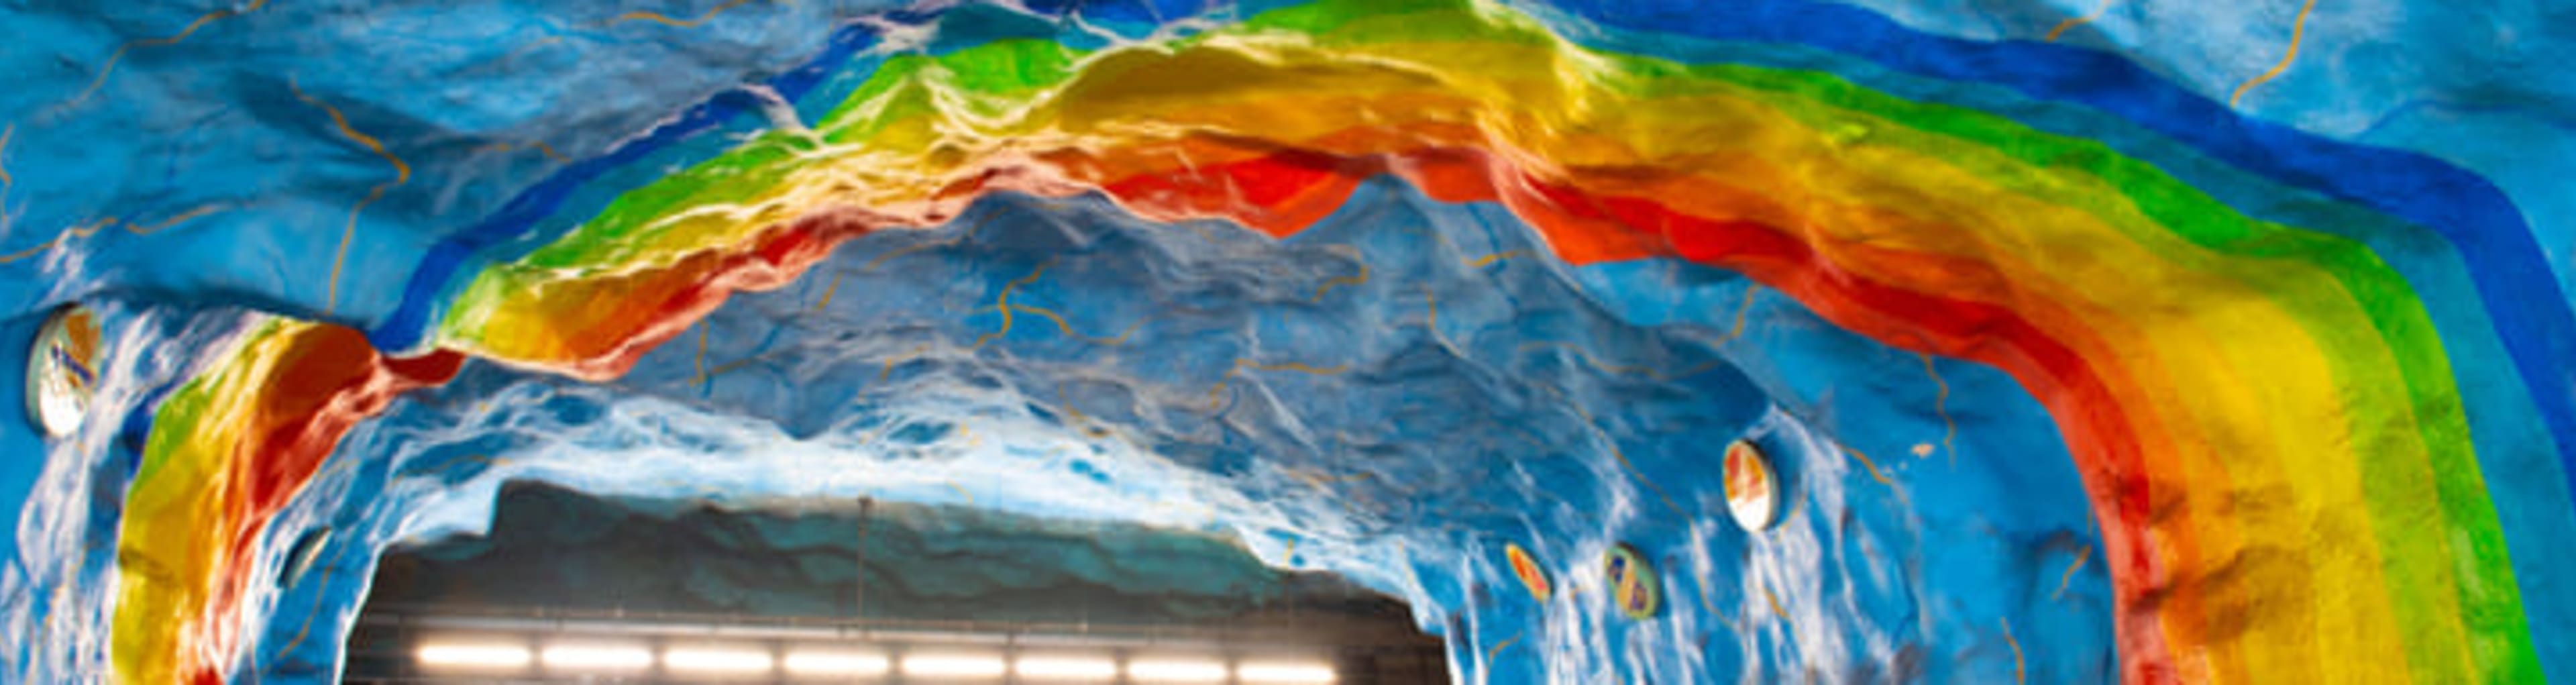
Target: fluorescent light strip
x,y
834,664
1309,674
953,666
473,656
706,660
598,657
1177,671
1065,668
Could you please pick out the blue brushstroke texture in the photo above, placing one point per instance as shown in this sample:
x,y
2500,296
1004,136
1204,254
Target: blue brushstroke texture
x,y
1923,583
1437,446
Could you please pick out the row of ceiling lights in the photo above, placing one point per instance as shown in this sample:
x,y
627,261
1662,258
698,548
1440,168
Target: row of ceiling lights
x,y
588,658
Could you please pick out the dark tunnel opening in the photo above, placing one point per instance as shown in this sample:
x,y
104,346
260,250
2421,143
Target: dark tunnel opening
x,y
894,585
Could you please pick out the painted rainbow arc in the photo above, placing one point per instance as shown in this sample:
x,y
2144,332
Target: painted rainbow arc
x,y
2375,357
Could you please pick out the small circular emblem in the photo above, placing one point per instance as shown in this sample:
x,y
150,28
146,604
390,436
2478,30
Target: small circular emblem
x,y
1527,569
1633,583
62,371
301,557
1752,493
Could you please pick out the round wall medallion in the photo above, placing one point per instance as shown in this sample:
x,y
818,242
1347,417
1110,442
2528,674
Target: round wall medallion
x,y
62,371
301,557
1633,583
1752,490
1526,568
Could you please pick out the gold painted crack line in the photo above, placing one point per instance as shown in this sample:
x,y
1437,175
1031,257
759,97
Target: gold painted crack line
x,y
349,233
2062,26
2298,30
118,57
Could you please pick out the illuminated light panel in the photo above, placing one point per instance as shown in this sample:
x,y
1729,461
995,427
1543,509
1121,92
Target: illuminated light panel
x,y
953,666
718,660
805,663
1284,673
1177,671
473,656
1065,668
598,657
